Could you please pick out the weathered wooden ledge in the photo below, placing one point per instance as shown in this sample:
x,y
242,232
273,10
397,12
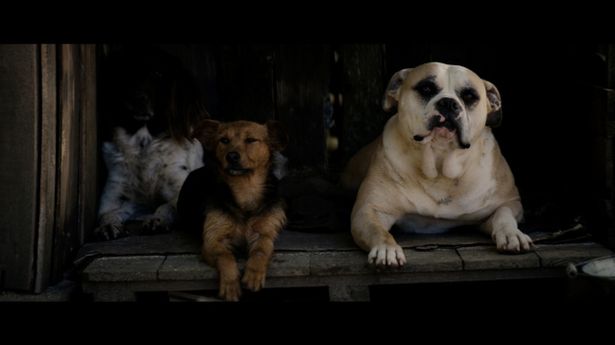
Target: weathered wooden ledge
x,y
116,270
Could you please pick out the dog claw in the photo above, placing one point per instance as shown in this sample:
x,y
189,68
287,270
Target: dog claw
x,y
254,280
513,242
108,232
386,255
230,291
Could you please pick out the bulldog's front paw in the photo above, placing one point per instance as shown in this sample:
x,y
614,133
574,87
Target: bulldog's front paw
x,y
254,279
512,241
106,232
390,255
230,290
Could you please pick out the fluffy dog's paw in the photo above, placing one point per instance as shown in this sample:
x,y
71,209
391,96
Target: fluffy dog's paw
x,y
254,280
153,226
513,241
390,255
108,232
230,290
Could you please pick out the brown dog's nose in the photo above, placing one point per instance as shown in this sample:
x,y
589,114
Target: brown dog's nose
x,y
232,157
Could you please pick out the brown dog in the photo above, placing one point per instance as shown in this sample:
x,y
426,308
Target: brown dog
x,y
233,200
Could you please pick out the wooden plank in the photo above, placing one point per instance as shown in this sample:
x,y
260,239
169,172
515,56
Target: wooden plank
x,y
123,269
439,260
88,153
19,155
562,254
186,267
289,265
127,287
488,258
301,84
191,267
48,166
162,244
354,263
66,234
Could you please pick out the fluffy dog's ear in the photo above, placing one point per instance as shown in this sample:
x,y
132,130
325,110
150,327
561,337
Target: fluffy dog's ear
x,y
494,104
205,132
391,95
278,139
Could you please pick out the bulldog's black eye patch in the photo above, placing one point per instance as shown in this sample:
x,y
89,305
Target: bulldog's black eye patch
x,y
469,96
427,88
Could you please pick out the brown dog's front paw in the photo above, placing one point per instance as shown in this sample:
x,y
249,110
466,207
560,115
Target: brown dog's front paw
x,y
254,279
230,290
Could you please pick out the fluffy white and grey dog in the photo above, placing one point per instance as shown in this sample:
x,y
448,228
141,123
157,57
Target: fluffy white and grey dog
x,y
145,176
150,104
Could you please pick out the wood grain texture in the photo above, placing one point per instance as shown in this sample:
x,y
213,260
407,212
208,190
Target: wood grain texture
x,y
301,85
19,155
124,268
562,254
88,142
66,233
488,258
48,166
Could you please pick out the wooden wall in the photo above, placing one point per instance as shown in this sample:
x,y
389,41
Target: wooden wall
x,y
48,148
19,155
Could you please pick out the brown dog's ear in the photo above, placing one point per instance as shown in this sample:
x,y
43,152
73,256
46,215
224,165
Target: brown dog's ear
x,y
205,132
391,95
278,139
494,104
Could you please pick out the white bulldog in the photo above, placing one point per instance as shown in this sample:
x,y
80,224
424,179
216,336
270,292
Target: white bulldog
x,y
436,165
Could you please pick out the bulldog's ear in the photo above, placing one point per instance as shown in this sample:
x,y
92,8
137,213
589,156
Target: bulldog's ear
x,y
205,132
278,139
391,95
494,105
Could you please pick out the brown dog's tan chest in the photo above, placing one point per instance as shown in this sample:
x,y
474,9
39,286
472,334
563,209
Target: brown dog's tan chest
x,y
248,191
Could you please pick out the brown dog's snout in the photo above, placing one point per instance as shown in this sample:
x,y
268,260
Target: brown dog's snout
x,y
233,157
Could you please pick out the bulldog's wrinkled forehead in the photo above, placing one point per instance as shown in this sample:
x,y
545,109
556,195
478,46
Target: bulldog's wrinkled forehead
x,y
446,76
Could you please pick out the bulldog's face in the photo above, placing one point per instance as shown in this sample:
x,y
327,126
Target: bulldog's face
x,y
442,103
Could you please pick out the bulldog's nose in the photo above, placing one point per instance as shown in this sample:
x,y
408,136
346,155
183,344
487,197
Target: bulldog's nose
x,y
448,107
232,157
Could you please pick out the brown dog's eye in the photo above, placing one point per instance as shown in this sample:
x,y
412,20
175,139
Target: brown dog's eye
x,y
251,140
225,140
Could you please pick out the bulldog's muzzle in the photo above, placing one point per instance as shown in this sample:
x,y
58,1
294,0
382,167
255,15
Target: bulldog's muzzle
x,y
449,117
